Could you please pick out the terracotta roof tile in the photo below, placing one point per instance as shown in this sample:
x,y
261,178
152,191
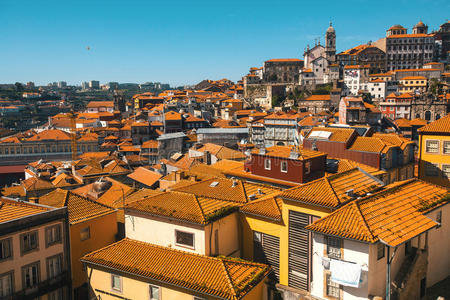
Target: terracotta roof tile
x,y
11,210
145,176
285,152
394,215
80,208
440,126
219,277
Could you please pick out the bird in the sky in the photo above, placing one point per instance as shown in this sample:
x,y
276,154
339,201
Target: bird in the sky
x,y
88,48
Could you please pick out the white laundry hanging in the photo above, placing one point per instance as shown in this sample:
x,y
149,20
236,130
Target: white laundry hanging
x,y
345,273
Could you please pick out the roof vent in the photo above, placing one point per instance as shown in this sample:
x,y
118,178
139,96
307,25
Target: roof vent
x,y
262,151
214,184
234,183
252,197
260,192
350,193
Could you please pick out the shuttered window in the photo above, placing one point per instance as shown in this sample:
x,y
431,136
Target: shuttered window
x,y
299,251
266,249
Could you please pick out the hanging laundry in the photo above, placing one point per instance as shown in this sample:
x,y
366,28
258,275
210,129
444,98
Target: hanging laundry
x,y
345,273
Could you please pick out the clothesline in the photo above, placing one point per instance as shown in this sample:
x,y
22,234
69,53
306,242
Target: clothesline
x,y
363,265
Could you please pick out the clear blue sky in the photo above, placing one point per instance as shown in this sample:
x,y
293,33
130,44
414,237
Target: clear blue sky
x,y
182,42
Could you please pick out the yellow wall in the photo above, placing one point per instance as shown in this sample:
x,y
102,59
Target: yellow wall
x,y
133,288
280,230
103,232
435,158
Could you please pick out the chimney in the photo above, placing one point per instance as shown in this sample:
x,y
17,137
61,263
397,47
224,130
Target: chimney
x,y
234,184
207,157
350,193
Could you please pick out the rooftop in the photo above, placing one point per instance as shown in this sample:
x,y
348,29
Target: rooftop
x,y
222,277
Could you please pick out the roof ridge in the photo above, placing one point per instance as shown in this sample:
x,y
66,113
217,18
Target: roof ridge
x,y
332,190
228,278
202,212
355,203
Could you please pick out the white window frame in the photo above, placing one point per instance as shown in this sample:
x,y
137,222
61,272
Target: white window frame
x,y
267,164
286,167
184,245
54,266
427,148
53,235
113,287
29,268
150,293
307,167
445,143
444,173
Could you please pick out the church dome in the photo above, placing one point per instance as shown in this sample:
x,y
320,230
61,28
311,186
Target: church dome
x,y
420,24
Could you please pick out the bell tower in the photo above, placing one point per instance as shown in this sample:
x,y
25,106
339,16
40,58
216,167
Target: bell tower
x,y
330,44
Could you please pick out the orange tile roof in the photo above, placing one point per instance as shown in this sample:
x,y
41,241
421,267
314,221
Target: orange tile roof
x,y
440,126
11,210
80,208
217,277
217,188
226,164
409,35
172,115
331,191
96,104
149,144
267,207
140,195
221,152
34,183
50,134
393,139
337,134
356,66
183,206
369,144
394,215
318,98
145,176
284,60
285,152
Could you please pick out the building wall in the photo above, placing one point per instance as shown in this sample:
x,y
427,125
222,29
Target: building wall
x,y
439,247
133,288
439,159
228,236
17,261
278,229
162,231
103,231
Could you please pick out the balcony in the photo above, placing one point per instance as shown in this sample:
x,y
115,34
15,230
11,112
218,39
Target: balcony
x,y
42,288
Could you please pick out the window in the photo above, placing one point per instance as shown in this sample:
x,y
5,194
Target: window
x,y
439,218
431,169
432,146
5,249
30,275
29,241
154,292
380,251
333,289
85,233
184,239
52,235
6,285
54,266
333,247
284,166
56,295
307,167
446,147
267,164
116,283
446,171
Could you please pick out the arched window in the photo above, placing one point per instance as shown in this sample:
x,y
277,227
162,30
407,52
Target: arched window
x,y
428,115
438,116
417,116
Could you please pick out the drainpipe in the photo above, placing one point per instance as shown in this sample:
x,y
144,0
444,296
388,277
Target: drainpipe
x,y
389,260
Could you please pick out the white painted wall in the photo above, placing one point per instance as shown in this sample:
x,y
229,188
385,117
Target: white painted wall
x,y
161,232
439,247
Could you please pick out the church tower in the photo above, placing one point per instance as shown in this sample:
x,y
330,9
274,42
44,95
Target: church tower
x,y
330,44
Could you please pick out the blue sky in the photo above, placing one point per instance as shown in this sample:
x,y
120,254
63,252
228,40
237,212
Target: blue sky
x,y
182,42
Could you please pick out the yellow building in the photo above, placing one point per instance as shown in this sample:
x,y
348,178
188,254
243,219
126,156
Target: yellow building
x,y
411,84
131,269
34,251
434,152
273,227
92,226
